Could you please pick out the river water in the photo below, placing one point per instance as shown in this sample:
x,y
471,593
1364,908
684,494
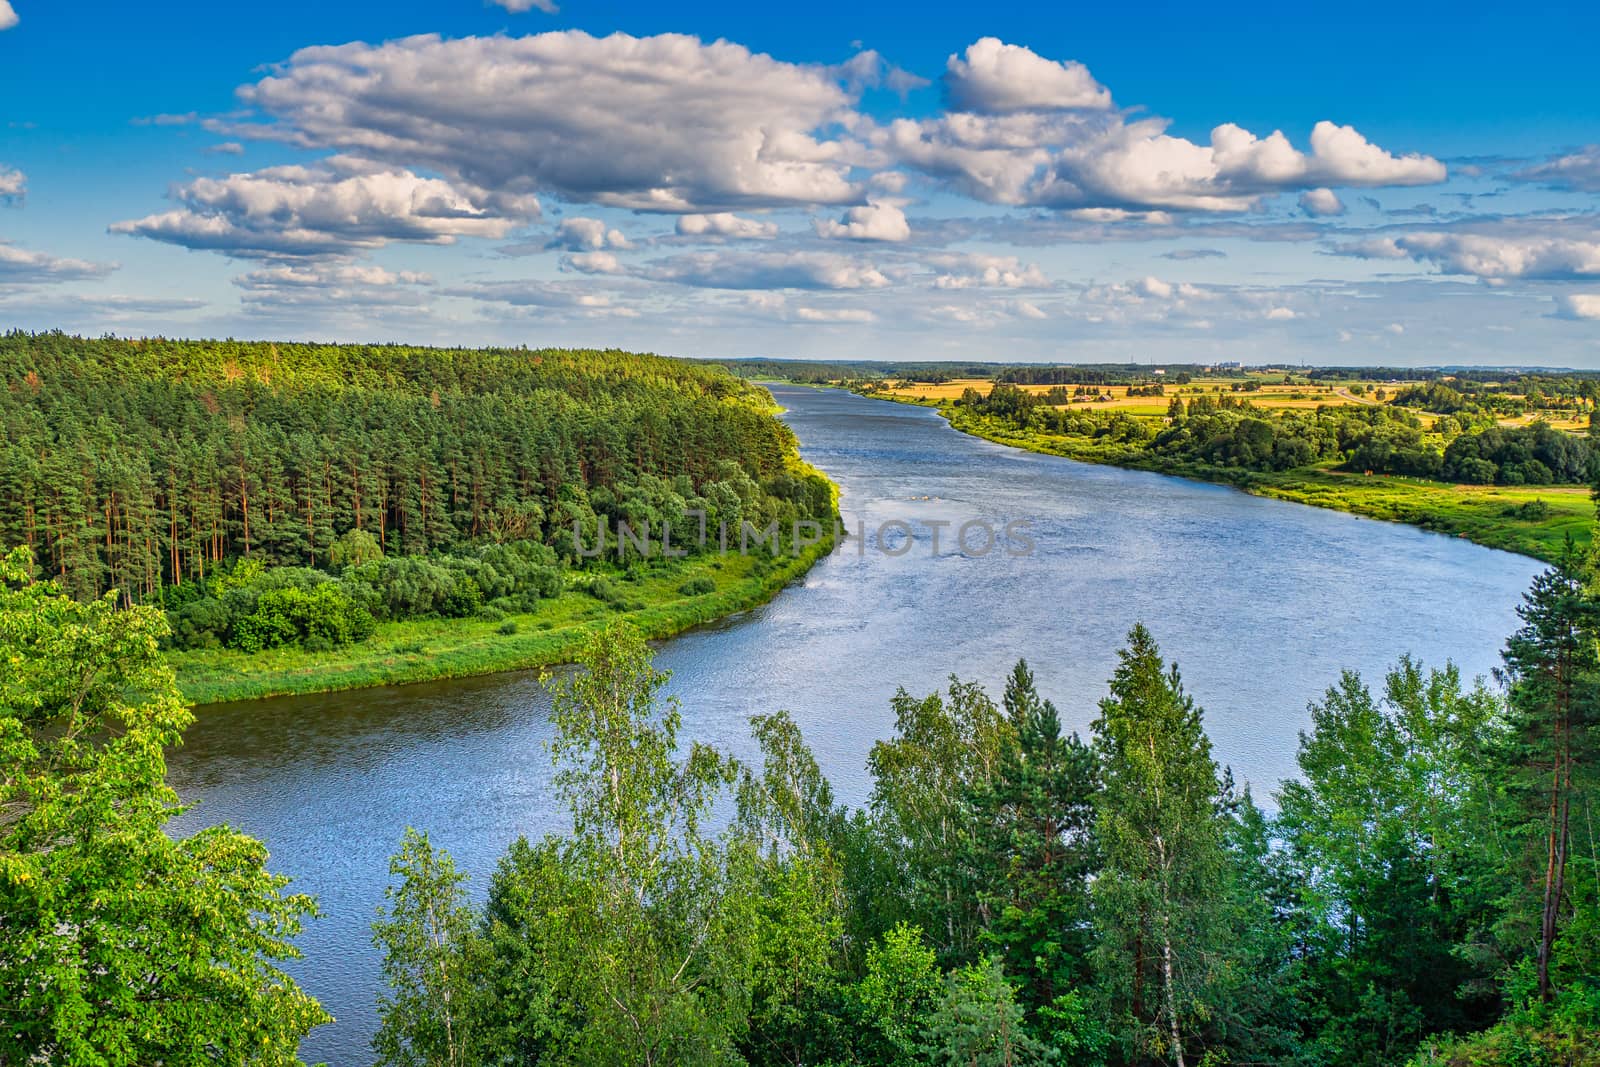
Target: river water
x,y
1261,602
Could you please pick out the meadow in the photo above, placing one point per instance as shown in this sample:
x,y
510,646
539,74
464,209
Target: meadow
x,y
420,650
1532,520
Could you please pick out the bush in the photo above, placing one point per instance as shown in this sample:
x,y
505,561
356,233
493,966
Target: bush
x,y
508,627
698,587
604,590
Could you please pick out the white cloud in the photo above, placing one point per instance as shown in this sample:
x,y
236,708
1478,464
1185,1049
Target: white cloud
x,y
1028,137
13,184
578,300
997,78
19,266
1321,202
1578,171
275,289
972,271
725,224
342,206
517,7
1496,257
8,15
1578,306
587,235
664,123
1395,328
1370,248
810,314
875,221
1280,314
592,263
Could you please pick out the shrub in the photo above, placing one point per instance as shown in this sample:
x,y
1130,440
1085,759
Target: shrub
x,y
508,627
698,587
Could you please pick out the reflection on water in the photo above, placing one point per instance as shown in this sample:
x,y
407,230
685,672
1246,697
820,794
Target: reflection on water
x,y
1261,602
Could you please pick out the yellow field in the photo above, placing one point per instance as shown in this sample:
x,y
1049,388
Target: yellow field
x,y
1116,398
1272,395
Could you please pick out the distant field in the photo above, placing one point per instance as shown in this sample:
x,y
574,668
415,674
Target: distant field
x,y
1276,397
1270,395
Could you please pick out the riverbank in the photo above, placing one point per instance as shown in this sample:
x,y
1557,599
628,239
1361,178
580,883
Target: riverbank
x,y
1531,521
434,649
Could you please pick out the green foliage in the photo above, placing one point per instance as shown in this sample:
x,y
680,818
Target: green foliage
x,y
143,464
122,945
1034,847
1116,904
426,934
944,748
1164,940
1382,839
978,1023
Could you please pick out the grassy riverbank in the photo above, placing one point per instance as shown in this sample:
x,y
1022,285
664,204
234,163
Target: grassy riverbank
x,y
1533,521
431,649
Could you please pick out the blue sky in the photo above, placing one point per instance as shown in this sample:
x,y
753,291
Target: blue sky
x,y
1408,184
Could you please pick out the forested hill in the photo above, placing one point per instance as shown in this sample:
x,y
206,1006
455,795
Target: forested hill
x,y
136,465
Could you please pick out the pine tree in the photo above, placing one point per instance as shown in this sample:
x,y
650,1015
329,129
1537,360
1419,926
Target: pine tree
x,y
1035,848
1552,671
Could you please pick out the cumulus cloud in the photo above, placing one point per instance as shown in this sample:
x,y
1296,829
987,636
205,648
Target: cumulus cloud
x,y
664,123
970,271
8,15
20,266
13,185
336,208
1019,134
1578,306
1511,252
1321,202
1577,171
875,221
592,263
725,224
997,78
587,235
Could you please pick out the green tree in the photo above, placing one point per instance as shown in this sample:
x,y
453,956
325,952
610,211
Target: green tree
x,y
944,749
1034,848
1161,921
978,1022
1552,669
122,945
896,994
426,935
793,901
655,964
1381,830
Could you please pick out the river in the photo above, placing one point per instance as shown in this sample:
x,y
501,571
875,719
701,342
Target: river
x,y
1261,602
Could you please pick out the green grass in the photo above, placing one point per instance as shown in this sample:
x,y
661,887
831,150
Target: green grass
x,y
426,650
1484,514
